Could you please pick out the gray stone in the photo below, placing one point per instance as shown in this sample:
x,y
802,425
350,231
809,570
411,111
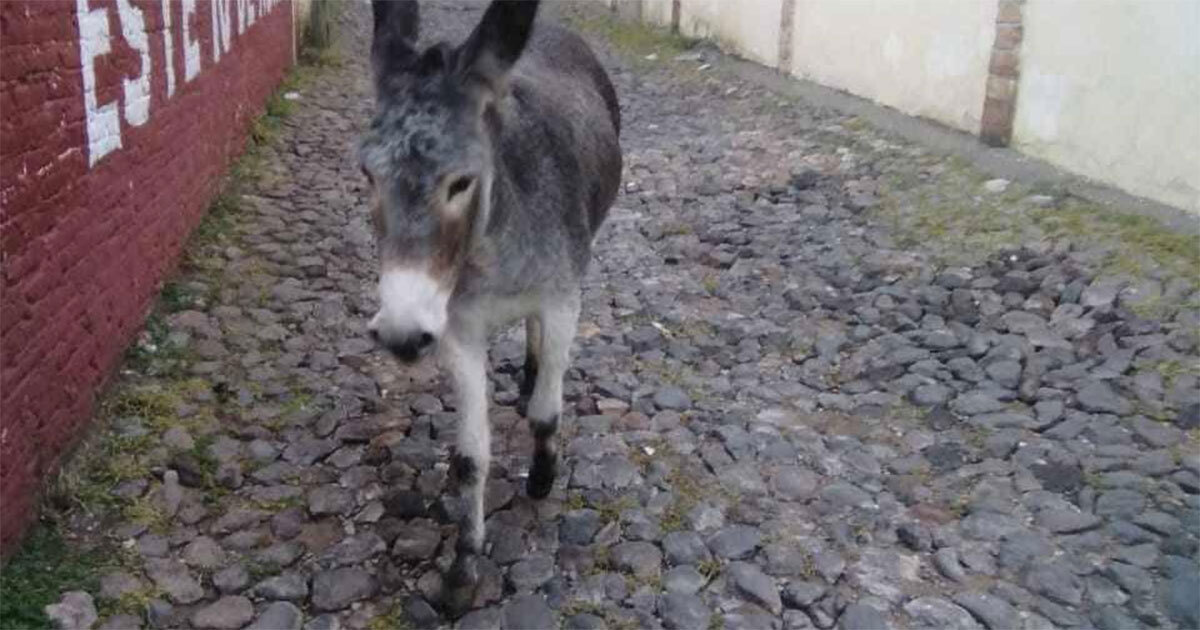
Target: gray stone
x,y
153,545
280,554
172,493
355,550
278,616
995,613
330,500
1113,618
481,619
743,479
1061,521
915,536
1181,601
528,612
288,586
228,613
1099,397
755,585
579,526
947,563
1156,434
883,573
1005,373
231,579
793,483
683,611
977,402
845,495
205,553
121,622
1120,503
1102,292
114,585
531,573
327,622
1022,548
174,579
803,594
735,542
417,541
642,559
683,579
337,589
672,397
935,612
863,617
74,611
685,548
160,613
930,394
1055,581
178,438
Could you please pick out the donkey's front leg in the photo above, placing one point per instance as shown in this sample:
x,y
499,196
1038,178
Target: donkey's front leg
x,y
558,322
467,361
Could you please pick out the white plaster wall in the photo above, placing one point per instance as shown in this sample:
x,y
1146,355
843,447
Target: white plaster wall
x,y
747,28
926,58
1110,89
657,12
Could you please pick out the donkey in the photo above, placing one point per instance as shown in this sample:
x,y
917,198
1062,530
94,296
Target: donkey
x,y
492,166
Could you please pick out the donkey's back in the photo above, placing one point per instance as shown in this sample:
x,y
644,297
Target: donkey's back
x,y
559,144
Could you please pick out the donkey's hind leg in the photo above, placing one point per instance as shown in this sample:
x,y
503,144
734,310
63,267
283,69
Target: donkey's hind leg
x,y
558,322
533,348
467,362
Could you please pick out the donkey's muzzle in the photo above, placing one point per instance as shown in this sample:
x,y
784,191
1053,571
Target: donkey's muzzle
x,y
408,347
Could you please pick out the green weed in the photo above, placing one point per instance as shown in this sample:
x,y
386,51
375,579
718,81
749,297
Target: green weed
x,y
42,568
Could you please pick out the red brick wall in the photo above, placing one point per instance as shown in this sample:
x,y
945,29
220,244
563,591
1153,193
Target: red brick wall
x,y
89,228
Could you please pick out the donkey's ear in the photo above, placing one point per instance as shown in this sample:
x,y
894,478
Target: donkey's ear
x,y
497,42
393,45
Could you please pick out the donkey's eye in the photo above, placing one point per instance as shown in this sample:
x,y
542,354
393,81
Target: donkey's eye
x,y
367,174
458,186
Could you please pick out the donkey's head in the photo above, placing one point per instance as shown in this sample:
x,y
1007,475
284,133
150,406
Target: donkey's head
x,y
428,156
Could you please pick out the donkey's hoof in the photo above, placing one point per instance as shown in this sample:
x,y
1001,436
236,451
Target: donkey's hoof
x,y
459,585
541,477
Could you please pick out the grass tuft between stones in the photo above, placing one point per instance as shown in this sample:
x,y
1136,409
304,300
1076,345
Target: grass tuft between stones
x,y
37,574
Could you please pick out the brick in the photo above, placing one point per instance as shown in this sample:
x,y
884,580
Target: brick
x,y
1008,12
1001,89
1008,36
996,125
83,249
1005,63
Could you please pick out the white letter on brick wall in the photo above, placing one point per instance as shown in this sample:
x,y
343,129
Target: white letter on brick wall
x,y
222,28
103,123
246,14
168,48
137,89
191,47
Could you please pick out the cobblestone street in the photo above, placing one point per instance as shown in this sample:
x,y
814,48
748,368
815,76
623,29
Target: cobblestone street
x,y
825,377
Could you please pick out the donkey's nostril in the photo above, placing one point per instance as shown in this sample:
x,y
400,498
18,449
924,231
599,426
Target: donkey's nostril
x,y
424,340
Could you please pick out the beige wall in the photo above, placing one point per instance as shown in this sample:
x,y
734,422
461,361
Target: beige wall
x,y
657,12
1110,89
747,28
926,58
